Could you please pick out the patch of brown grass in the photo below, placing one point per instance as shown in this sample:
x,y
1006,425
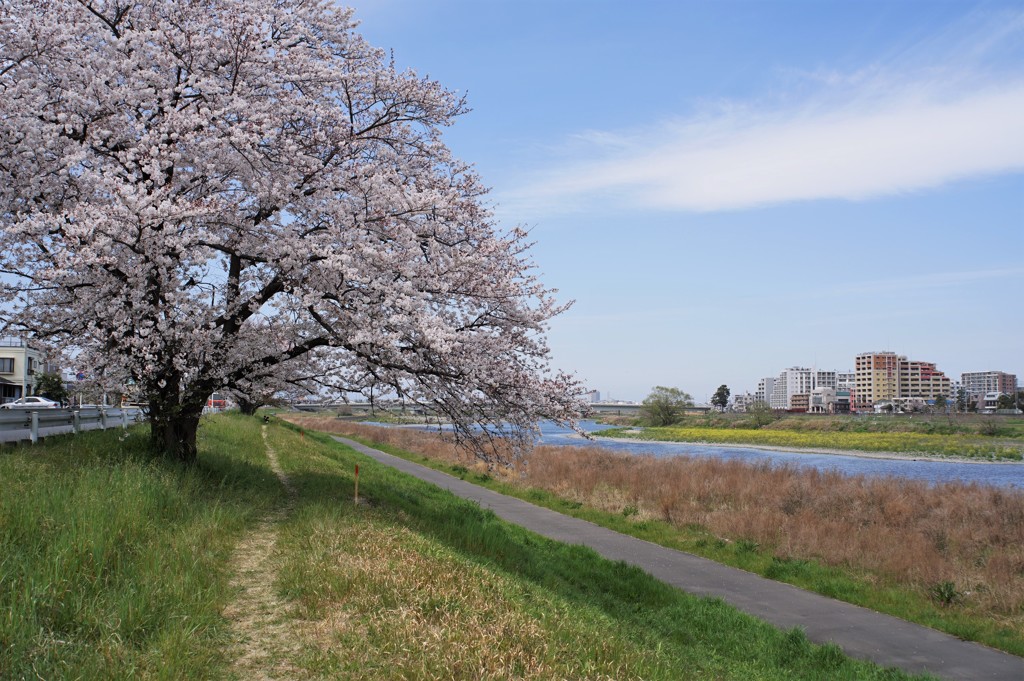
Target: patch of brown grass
x,y
907,531
903,531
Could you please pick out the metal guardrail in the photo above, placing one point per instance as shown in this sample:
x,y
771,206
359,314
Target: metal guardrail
x,y
17,425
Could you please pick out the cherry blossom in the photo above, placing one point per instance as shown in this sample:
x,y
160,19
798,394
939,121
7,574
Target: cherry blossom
x,y
220,194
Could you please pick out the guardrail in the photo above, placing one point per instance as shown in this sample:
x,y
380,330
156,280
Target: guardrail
x,y
17,425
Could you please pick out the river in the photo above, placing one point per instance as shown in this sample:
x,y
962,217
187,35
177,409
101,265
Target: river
x,y
930,470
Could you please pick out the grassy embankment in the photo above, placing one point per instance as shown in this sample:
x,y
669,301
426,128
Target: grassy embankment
x,y
114,566
966,436
950,556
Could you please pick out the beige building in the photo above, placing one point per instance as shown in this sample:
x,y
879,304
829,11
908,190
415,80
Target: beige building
x,y
888,377
799,402
19,367
876,376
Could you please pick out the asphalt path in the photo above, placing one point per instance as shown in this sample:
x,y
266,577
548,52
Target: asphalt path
x,y
862,633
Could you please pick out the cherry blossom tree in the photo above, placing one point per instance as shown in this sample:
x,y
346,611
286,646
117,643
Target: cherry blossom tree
x,y
193,193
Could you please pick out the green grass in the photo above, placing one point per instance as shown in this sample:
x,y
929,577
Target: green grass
x,y
972,446
569,612
116,566
843,583
111,564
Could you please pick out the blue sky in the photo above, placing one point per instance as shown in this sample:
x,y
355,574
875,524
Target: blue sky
x,y
727,189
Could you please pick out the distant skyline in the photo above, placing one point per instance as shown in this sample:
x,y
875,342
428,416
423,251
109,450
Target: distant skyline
x,y
729,189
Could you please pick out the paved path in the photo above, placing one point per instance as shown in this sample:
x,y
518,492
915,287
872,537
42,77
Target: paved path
x,y
862,633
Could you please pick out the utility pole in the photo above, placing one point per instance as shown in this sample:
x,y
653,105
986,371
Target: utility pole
x,y
24,369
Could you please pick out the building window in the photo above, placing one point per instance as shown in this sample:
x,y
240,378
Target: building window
x,y
6,365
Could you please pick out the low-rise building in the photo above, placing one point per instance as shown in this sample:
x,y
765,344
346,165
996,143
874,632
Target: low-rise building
x,y
799,402
989,402
742,401
822,401
20,366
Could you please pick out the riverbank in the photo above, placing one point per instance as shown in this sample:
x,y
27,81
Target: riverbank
x,y
858,453
947,555
895,445
255,562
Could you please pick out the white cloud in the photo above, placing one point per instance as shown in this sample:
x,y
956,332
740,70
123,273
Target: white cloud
x,y
882,130
925,282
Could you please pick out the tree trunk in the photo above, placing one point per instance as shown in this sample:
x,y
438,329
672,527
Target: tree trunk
x,y
173,430
248,408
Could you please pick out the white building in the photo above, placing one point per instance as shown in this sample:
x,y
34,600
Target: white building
x,y
764,390
954,390
743,401
593,396
799,381
822,401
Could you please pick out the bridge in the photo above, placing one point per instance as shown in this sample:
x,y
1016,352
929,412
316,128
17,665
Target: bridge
x,y
365,408
633,409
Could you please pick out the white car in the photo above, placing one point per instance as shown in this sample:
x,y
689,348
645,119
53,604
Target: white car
x,y
30,402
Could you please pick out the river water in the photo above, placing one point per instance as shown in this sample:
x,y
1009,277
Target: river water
x,y
934,471
929,470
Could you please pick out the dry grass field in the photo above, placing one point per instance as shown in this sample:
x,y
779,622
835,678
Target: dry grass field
x,y
958,546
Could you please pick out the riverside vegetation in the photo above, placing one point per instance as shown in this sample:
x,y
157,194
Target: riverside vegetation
x,y
948,556
114,565
967,436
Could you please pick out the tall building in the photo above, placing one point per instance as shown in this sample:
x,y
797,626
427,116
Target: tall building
x,y
798,382
877,378
888,377
779,398
978,383
764,389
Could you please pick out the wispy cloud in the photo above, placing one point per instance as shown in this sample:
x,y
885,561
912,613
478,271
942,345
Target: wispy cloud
x,y
909,123
925,282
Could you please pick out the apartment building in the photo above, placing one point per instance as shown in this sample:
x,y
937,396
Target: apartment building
x,y
799,402
979,383
800,381
741,402
888,377
922,380
779,398
765,387
877,378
